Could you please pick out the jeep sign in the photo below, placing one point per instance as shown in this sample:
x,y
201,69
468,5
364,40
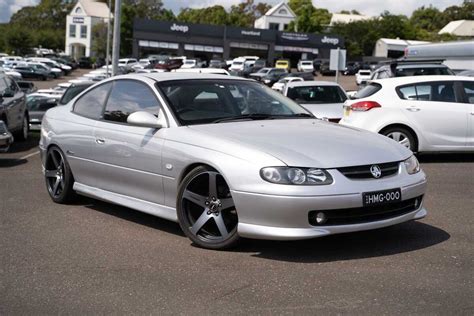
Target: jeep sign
x,y
179,28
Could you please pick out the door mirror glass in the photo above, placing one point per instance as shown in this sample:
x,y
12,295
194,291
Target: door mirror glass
x,y
146,119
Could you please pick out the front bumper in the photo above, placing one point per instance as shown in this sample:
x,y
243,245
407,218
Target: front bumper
x,y
264,216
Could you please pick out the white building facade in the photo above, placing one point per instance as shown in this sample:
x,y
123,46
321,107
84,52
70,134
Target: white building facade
x,y
79,24
277,18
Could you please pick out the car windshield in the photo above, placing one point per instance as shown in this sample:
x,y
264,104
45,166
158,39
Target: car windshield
x,y
238,63
306,63
316,94
264,70
40,103
281,63
212,101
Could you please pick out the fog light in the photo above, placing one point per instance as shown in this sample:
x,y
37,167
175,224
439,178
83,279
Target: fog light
x,y
321,218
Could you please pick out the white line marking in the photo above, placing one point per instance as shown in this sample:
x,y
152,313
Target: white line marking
x,y
29,155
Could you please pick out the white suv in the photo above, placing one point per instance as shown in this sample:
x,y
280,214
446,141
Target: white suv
x,y
423,113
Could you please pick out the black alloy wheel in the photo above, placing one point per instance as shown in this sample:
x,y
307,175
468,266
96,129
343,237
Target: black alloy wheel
x,y
58,176
206,210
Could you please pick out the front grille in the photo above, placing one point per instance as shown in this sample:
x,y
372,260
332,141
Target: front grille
x,y
363,172
366,214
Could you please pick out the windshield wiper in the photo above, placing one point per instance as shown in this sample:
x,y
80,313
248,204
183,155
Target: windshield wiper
x,y
253,116
295,115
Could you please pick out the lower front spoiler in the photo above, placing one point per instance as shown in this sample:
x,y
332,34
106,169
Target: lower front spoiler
x,y
281,233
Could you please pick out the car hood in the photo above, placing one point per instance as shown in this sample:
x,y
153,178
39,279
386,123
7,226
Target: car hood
x,y
309,142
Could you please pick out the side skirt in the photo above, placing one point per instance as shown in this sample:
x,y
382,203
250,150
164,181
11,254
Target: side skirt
x,y
162,211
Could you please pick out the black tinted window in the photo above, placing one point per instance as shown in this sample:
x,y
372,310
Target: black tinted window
x,y
317,94
469,91
91,103
429,91
129,96
368,90
71,92
11,84
40,103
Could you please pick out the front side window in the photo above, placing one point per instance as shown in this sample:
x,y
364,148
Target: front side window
x,y
209,101
83,31
72,30
11,84
129,96
91,103
316,94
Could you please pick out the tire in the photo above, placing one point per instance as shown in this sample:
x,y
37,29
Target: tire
x,y
58,176
206,211
403,136
22,134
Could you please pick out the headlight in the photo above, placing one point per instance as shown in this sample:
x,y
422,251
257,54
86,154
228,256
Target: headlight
x,y
298,176
412,165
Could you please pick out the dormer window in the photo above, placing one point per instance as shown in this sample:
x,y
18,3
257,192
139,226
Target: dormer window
x,y
283,12
78,10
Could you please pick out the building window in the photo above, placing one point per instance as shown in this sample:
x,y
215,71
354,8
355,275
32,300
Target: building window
x,y
285,27
274,26
283,11
72,30
78,10
83,31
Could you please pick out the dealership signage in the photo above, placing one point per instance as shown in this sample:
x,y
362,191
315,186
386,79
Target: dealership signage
x,y
179,28
330,40
295,36
78,20
250,33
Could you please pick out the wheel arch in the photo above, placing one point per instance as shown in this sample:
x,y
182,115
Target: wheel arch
x,y
401,125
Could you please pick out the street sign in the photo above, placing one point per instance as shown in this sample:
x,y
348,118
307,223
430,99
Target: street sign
x,y
337,61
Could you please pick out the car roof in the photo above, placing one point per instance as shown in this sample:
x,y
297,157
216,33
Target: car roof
x,y
411,66
415,79
312,83
166,76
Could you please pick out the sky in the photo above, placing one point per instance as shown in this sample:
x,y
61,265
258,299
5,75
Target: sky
x,y
367,7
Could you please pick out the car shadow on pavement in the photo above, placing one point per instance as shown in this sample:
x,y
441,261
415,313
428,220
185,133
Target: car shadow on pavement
x,y
22,146
8,163
387,241
451,157
132,215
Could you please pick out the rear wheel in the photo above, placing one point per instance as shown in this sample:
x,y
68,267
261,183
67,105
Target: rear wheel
x,y
22,134
206,210
403,136
58,176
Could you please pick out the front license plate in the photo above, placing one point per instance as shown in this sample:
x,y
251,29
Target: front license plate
x,y
381,197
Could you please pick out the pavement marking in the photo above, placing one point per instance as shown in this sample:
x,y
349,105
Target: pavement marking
x,y
30,155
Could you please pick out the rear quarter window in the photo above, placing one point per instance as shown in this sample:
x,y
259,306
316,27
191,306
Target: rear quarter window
x,y
368,90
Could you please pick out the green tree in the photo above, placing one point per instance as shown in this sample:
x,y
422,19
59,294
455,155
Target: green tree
x,y
427,18
18,40
99,39
245,13
211,15
308,18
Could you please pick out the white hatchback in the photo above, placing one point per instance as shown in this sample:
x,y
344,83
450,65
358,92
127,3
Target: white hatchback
x,y
423,113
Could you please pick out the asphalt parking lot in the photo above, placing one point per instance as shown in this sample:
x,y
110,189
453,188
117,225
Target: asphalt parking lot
x,y
96,258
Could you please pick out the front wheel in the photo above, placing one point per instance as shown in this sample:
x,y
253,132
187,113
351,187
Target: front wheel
x,y
206,210
58,176
22,134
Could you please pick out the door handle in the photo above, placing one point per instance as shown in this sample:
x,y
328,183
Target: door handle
x,y
413,109
100,141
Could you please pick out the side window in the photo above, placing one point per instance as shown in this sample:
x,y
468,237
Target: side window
x,y
407,93
443,92
130,96
11,84
469,91
91,104
3,86
423,92
383,75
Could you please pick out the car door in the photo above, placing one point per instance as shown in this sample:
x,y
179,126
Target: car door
x,y
18,106
468,98
78,141
130,156
437,113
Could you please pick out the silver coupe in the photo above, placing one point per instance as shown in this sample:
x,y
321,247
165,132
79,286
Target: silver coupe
x,y
226,158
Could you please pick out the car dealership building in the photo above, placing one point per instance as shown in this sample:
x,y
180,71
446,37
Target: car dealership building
x,y
152,37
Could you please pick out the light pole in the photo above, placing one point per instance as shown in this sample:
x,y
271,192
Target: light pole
x,y
116,39
107,50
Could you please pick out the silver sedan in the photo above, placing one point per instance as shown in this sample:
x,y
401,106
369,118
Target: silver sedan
x,y
226,158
